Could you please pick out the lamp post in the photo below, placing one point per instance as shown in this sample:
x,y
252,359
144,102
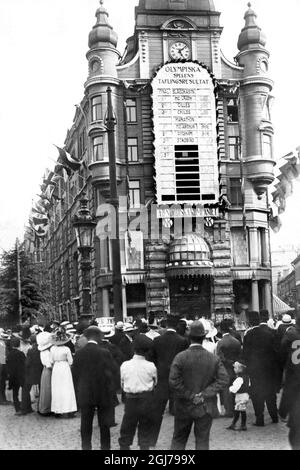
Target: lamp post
x,y
84,225
115,242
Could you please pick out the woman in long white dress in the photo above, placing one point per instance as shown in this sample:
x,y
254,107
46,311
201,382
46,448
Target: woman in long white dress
x,y
62,387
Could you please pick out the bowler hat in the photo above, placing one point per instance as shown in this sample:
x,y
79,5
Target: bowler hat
x,y
197,329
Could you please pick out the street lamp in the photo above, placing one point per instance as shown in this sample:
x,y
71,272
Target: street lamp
x,y
84,225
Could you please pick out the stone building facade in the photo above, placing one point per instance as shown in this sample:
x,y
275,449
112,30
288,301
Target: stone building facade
x,y
194,159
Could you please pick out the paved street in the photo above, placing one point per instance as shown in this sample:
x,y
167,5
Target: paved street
x,y
33,432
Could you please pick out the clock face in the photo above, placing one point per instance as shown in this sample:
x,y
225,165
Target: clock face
x,y
179,50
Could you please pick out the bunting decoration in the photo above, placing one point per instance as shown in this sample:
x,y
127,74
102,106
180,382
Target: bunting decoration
x,y
289,171
67,160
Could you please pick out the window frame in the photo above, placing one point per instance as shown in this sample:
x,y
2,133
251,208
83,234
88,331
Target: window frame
x,y
97,115
130,152
133,192
129,110
98,146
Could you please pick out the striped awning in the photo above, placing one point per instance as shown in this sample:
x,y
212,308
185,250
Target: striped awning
x,y
279,306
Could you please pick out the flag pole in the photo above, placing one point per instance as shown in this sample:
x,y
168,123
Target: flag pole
x,y
19,292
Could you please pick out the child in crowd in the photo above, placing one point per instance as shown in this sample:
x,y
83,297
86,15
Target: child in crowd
x,y
240,388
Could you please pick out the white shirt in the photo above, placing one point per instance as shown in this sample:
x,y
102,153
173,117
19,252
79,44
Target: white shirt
x,y
138,375
2,352
236,385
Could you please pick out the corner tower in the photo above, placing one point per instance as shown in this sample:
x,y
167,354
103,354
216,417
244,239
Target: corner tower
x,y
257,129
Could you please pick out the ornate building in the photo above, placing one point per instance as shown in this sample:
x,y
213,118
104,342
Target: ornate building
x,y
194,150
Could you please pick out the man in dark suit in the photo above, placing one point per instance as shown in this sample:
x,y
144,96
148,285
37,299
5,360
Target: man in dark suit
x,y
290,401
229,351
196,377
16,371
262,360
165,348
93,381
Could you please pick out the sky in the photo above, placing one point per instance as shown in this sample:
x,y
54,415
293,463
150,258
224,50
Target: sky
x,y
43,69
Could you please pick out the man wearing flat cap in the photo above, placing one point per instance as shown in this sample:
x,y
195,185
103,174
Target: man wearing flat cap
x,y
196,377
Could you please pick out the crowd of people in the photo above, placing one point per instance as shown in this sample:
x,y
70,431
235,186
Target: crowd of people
x,y
200,370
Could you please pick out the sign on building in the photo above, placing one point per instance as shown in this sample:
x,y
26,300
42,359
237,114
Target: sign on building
x,y
184,118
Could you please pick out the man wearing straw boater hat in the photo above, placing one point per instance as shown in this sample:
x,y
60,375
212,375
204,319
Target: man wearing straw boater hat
x,y
93,380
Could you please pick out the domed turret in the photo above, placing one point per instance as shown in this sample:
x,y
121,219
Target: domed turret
x,y
251,34
102,32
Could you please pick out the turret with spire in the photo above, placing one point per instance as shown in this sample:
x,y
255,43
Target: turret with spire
x,y
255,88
102,55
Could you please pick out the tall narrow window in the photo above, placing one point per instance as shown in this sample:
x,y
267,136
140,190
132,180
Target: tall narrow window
x,y
267,146
98,149
233,147
232,110
131,110
132,145
235,192
97,112
134,194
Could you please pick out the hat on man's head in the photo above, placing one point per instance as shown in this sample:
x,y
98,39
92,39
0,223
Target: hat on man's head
x,y
264,316
128,327
253,318
107,331
197,329
119,325
287,319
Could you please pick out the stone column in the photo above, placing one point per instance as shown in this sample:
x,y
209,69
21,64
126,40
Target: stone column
x,y
253,247
255,295
105,302
124,302
268,298
264,251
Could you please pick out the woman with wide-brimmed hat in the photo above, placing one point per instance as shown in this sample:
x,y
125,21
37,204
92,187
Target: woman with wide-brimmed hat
x,y
62,388
44,342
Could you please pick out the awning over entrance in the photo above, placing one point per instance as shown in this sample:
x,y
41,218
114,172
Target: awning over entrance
x,y
189,256
279,306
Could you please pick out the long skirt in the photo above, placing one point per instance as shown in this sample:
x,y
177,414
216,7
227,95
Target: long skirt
x,y
63,393
44,404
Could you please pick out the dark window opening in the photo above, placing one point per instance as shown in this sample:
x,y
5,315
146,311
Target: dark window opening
x,y
232,110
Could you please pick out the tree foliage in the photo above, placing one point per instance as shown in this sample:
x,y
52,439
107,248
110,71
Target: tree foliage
x,y
32,296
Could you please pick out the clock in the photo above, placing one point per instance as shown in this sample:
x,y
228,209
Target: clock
x,y
179,50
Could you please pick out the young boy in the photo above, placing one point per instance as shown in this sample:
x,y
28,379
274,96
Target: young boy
x,y
240,388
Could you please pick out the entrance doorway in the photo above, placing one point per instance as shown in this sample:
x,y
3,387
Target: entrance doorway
x,y
190,297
